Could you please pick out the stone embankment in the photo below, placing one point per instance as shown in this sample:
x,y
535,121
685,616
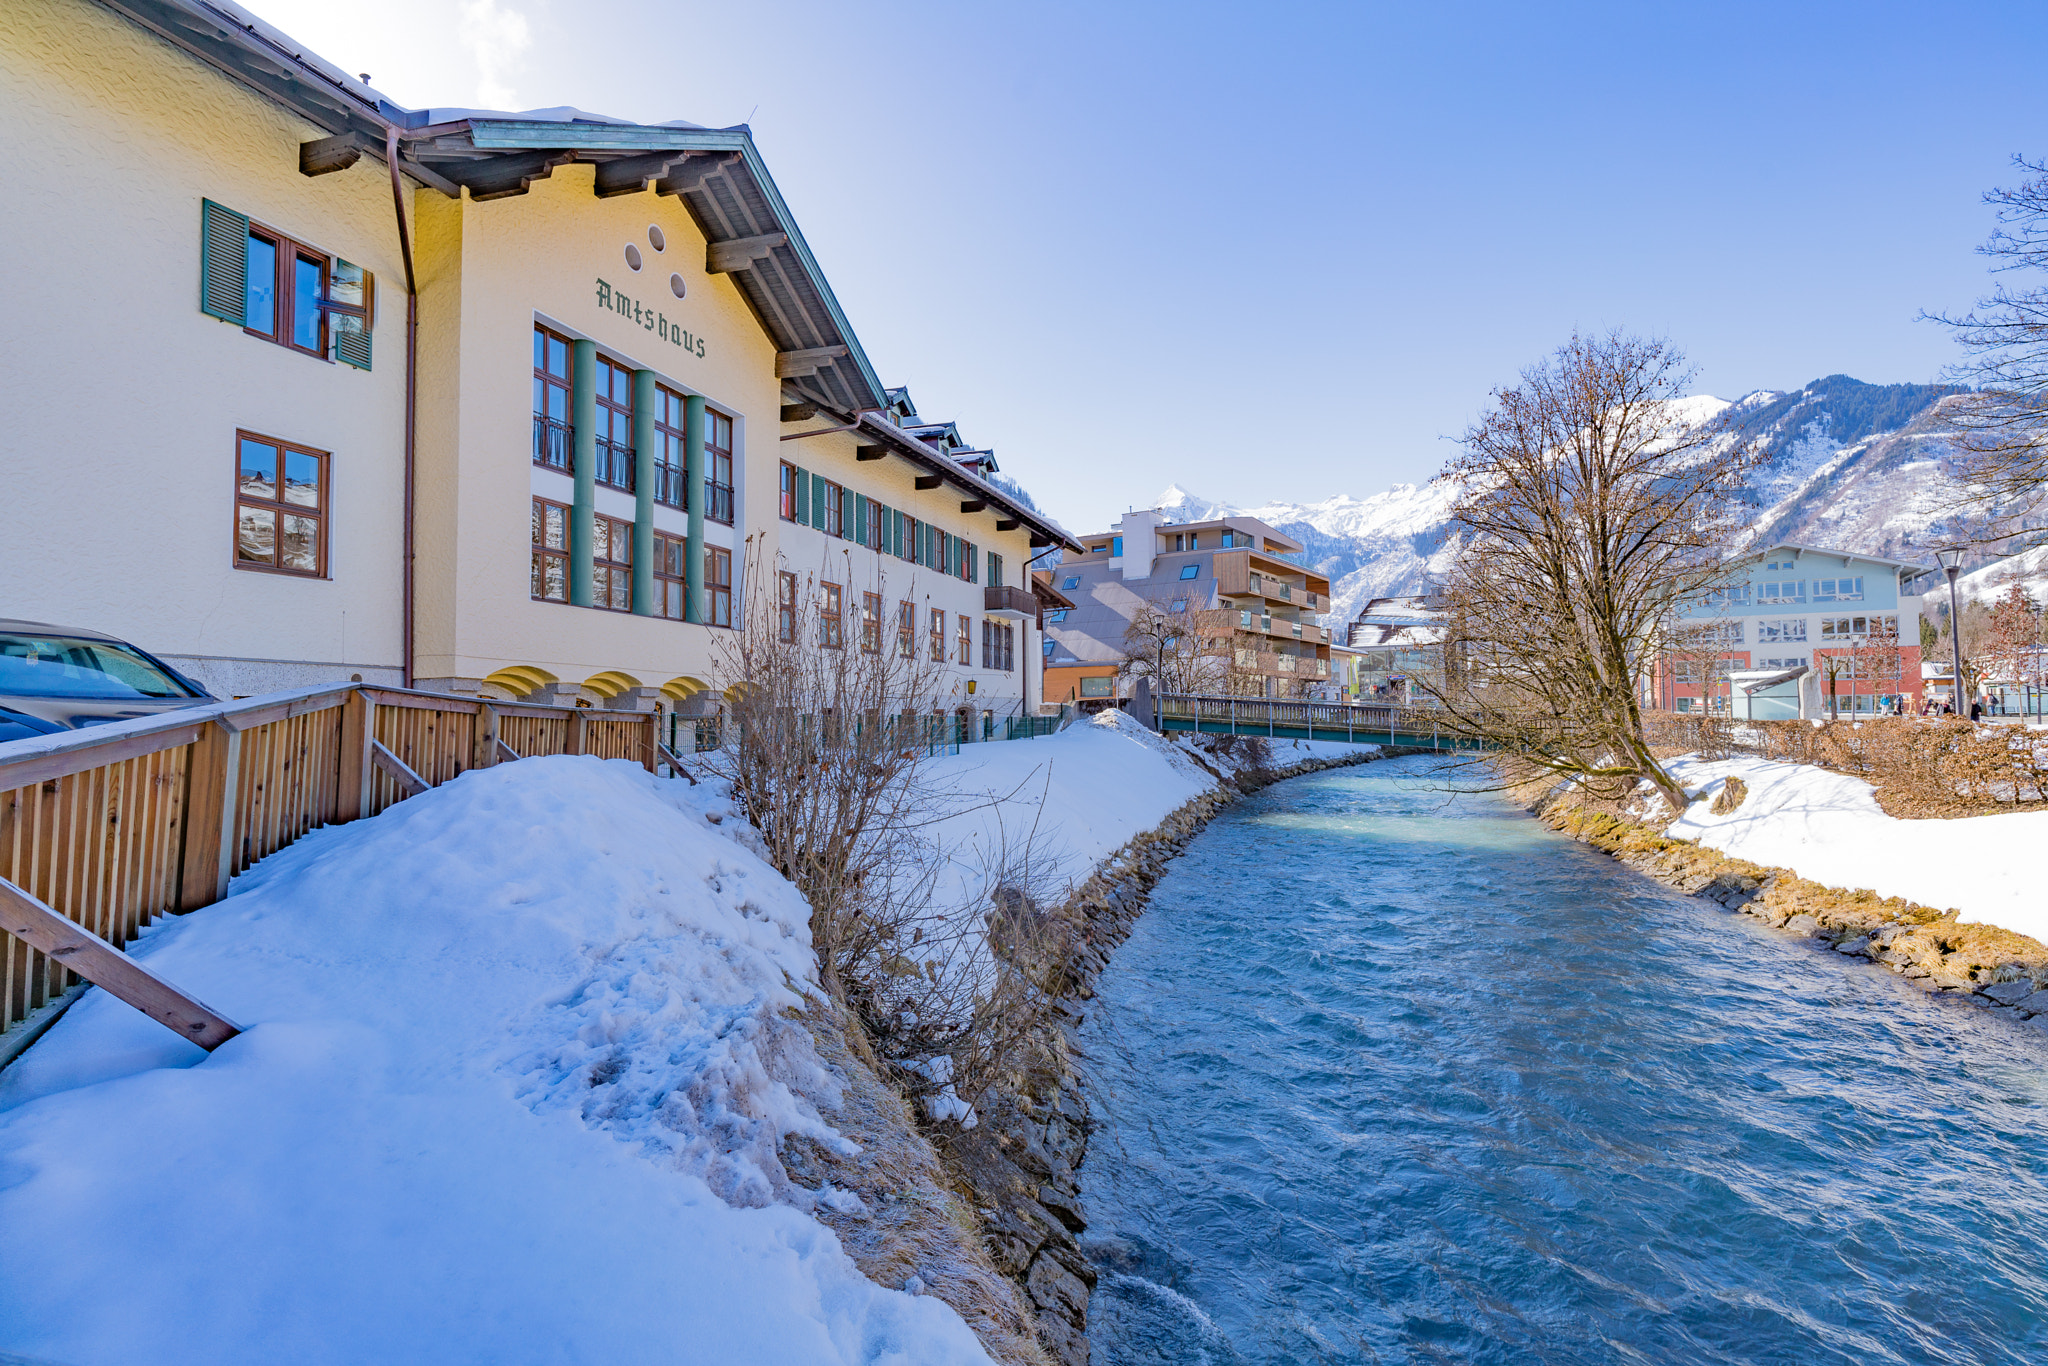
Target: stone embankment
x,y
1981,965
1022,1162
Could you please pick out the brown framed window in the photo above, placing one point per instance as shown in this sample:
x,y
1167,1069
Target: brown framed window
x,y
871,623
832,497
786,504
550,551
670,587
611,564
614,384
554,440
1006,641
963,643
906,548
906,629
285,292
280,506
717,466
670,459
785,607
831,600
717,586
938,636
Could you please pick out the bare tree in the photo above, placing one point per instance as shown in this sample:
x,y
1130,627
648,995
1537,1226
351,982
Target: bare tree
x,y
1181,650
2002,453
1593,512
2012,647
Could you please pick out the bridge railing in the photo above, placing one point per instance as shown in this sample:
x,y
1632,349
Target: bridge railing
x,y
1265,716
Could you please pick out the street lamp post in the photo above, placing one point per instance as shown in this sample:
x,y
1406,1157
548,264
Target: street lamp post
x,y
1951,562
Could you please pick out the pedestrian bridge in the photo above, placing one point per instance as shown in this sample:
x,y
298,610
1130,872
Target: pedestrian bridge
x,y
1362,724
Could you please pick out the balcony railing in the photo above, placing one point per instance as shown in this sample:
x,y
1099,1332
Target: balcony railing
x,y
554,444
1008,600
670,487
615,464
718,502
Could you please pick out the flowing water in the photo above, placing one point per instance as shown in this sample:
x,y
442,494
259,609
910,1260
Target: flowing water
x,y
1386,1076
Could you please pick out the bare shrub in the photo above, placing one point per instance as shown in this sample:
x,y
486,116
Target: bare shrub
x,y
946,943
1733,793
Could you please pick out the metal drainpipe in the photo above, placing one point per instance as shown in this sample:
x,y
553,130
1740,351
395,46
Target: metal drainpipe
x,y
412,352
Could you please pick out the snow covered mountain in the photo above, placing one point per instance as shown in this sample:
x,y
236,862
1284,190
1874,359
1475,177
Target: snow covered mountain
x,y
1855,466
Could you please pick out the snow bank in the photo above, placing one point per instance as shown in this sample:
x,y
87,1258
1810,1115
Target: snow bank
x,y
1087,790
1829,827
510,1090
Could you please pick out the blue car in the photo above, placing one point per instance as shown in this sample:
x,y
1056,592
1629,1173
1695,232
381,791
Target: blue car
x,y
54,679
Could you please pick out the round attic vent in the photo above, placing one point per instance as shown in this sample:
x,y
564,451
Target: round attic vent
x,y
675,285
655,239
632,256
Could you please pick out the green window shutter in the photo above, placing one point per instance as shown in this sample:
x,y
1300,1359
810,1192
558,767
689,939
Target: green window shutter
x,y
893,528
223,262
861,505
973,562
818,501
350,288
803,496
848,527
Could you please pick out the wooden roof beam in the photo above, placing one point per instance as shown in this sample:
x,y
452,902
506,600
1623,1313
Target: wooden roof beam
x,y
973,504
629,175
1007,524
324,156
929,481
739,253
796,364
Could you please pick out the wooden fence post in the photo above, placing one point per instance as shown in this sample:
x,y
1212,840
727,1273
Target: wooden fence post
x,y
487,741
209,815
358,729
578,738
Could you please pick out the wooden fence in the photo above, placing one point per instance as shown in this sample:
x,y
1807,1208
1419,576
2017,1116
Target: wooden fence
x,y
115,826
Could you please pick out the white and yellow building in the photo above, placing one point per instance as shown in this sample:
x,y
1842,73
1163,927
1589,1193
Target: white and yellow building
x,y
322,387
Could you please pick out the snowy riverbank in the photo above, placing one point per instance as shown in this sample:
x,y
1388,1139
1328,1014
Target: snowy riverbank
x,y
515,1081
512,1082
1829,828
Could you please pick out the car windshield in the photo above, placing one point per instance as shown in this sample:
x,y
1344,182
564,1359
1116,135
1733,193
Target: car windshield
x,y
62,666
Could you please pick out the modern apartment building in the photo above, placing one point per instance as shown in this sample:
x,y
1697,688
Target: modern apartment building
x,y
1262,612
1798,632
525,405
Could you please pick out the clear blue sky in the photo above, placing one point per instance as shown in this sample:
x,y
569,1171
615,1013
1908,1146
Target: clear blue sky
x,y
1283,251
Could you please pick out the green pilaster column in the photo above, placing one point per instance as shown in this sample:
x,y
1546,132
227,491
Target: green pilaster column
x,y
582,512
645,450
693,480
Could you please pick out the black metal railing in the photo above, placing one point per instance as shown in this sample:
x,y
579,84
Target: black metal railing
x,y
614,464
718,502
554,444
671,489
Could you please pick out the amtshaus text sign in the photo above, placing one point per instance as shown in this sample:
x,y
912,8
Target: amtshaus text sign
x,y
654,322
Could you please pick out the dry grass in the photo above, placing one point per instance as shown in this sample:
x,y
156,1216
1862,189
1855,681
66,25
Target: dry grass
x,y
916,1224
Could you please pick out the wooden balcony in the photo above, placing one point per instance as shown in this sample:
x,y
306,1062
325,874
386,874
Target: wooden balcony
x,y
1007,601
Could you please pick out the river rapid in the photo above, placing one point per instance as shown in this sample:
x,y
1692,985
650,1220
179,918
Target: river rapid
x,y
1387,1075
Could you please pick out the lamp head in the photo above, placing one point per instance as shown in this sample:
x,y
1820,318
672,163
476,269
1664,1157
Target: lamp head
x,y
1950,559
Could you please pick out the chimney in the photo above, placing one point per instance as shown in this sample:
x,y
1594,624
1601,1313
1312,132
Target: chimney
x,y
1140,531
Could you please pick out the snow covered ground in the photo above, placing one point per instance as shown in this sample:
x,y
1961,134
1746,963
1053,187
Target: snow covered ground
x,y
510,1090
1828,827
1088,789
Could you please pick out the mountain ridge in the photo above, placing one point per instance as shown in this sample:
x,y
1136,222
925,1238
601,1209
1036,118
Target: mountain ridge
x,y
1852,466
